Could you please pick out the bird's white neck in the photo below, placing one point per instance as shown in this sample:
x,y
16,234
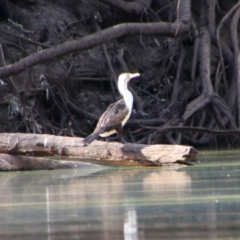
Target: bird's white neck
x,y
127,95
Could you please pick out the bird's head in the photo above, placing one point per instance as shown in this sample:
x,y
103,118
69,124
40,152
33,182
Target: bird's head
x,y
125,77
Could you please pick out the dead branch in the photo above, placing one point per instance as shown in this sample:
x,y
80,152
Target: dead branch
x,y
184,11
194,129
194,106
196,48
129,7
211,16
4,62
113,79
151,121
81,111
162,29
204,55
178,74
25,39
222,107
221,45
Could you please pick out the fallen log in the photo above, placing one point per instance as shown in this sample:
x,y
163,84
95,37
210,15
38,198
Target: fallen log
x,y
20,163
98,151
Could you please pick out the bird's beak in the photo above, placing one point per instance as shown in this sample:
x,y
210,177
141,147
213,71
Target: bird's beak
x,y
133,75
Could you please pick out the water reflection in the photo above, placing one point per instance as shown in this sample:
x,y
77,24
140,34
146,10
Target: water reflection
x,y
131,204
62,203
169,182
49,231
130,226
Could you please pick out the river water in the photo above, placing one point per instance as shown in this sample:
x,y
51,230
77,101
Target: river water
x,y
196,202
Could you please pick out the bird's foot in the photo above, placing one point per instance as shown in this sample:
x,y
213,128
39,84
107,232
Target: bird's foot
x,y
123,141
84,144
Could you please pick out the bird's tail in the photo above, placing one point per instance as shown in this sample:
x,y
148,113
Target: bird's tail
x,y
90,138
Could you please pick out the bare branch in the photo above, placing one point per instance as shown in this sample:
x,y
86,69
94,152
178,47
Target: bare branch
x,y
204,55
184,11
221,45
160,28
194,106
221,105
211,16
178,74
129,7
196,48
4,62
194,129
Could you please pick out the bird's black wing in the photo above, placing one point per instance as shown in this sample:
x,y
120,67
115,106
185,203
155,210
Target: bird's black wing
x,y
112,117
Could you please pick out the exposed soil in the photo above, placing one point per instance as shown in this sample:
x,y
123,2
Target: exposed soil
x,y
65,96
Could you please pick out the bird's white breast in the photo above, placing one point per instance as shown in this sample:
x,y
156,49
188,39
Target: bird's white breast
x,y
126,118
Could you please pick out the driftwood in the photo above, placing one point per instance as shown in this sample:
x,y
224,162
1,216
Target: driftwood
x,y
98,151
16,163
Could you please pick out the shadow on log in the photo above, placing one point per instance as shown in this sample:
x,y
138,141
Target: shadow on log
x,y
98,151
